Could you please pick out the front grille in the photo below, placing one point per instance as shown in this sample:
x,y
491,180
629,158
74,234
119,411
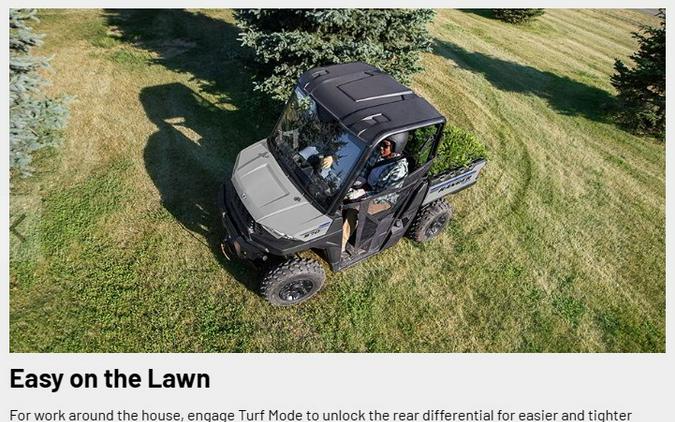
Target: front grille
x,y
241,214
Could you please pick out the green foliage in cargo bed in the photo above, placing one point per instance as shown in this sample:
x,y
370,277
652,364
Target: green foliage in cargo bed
x,y
458,148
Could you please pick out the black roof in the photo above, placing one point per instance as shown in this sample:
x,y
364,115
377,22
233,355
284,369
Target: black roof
x,y
367,100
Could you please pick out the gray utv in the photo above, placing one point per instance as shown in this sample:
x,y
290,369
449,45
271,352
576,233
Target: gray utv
x,y
284,197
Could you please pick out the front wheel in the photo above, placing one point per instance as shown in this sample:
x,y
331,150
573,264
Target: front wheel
x,y
292,282
430,221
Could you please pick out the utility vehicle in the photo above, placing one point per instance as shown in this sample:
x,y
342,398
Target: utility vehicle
x,y
294,190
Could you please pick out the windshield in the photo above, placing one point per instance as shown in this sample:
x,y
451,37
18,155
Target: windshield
x,y
312,146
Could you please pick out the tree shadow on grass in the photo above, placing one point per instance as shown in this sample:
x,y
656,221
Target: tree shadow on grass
x,y
202,46
486,13
563,94
199,134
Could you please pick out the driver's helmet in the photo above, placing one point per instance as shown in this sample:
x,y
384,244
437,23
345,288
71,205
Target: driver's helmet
x,y
399,140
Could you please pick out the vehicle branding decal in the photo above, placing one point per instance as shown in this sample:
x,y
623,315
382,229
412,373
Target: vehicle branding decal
x,y
315,231
453,182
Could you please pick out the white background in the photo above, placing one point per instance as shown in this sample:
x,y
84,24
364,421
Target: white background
x,y
641,383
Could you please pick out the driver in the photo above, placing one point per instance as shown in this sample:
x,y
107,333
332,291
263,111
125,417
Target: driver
x,y
385,169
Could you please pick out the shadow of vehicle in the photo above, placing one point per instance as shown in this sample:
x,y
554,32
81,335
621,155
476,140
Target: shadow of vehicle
x,y
563,94
187,158
200,131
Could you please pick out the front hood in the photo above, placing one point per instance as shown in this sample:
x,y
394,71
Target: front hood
x,y
272,199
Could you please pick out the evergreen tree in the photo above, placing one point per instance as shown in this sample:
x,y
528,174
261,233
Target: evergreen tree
x,y
517,15
287,42
35,121
642,89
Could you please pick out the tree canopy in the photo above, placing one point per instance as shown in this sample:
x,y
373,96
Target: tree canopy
x,y
35,121
517,15
642,88
287,42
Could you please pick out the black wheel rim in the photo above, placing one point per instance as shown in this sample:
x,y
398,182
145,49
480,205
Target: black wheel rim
x,y
295,290
436,225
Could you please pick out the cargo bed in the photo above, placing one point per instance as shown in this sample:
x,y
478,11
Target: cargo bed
x,y
453,181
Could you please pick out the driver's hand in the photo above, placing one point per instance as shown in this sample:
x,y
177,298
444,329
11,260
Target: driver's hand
x,y
326,162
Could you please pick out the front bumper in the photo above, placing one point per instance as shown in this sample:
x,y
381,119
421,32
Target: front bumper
x,y
236,241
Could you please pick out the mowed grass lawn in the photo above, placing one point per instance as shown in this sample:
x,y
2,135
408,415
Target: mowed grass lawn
x,y
559,247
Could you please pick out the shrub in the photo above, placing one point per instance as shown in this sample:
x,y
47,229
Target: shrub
x,y
642,89
35,121
458,148
517,15
287,42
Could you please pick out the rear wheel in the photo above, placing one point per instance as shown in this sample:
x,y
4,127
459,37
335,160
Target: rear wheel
x,y
430,221
292,282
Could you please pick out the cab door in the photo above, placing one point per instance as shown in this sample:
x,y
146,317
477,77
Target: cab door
x,y
383,218
376,217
